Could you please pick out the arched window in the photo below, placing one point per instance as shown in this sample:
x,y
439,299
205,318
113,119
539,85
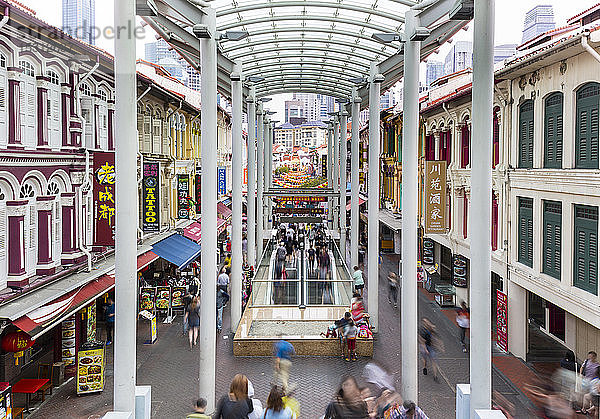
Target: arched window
x,y
53,189
465,143
586,126
496,138
27,68
85,89
103,95
553,130
526,135
53,77
27,191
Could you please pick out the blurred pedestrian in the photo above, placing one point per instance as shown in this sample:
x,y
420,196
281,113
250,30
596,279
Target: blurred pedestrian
x,y
192,317
109,313
223,279
258,411
311,258
350,334
275,408
222,300
237,404
409,410
324,264
199,409
463,320
429,344
359,281
347,402
283,363
194,287
290,402
393,289
245,250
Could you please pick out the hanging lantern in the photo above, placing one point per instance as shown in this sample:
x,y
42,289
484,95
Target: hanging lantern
x,y
17,342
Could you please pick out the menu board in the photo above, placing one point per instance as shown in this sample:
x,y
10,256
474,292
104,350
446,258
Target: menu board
x,y
177,297
90,370
163,298
5,403
147,298
91,322
68,344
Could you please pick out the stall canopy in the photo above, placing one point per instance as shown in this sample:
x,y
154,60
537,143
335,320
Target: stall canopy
x,y
43,318
146,259
178,250
194,230
223,211
360,202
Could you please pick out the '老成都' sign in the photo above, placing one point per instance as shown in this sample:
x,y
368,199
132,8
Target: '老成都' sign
x,y
104,198
435,197
151,197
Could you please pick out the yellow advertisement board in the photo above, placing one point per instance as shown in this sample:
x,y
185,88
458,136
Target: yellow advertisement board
x,y
90,371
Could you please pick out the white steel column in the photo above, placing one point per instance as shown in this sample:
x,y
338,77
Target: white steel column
x,y
126,212
481,196
236,195
373,227
354,186
336,172
410,139
267,160
343,181
330,173
208,306
270,130
260,158
251,205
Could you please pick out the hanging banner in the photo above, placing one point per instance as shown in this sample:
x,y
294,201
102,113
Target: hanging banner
x,y
245,176
91,322
198,190
435,197
151,197
183,195
222,180
104,199
502,320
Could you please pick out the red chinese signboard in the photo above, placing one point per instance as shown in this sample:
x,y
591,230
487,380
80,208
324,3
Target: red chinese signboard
x,y
104,198
435,197
502,320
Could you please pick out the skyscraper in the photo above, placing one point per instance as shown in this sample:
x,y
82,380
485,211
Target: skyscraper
x,y
160,53
294,109
79,19
504,51
538,20
459,57
435,70
316,107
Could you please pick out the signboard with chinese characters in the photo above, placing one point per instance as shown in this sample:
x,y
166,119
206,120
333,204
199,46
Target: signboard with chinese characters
x,y
151,197
435,197
222,180
198,196
183,196
104,198
502,320
91,322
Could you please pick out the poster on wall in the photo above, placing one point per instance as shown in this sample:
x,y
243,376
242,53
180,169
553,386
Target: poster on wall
x,y
147,298
68,345
177,297
91,322
435,197
502,320
222,180
183,195
163,298
104,198
151,197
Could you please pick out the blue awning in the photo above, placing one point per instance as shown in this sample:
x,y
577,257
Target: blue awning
x,y
178,250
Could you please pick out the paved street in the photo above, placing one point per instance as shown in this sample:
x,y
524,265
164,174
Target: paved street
x,y
172,370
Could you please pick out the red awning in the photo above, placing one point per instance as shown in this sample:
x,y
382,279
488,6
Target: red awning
x,y
360,202
42,319
221,225
146,259
223,211
193,232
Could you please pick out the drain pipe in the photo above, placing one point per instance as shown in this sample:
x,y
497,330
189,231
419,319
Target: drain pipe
x,y
173,160
588,48
141,156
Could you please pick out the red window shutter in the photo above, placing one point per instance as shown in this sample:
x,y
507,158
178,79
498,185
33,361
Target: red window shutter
x,y
466,143
494,222
496,142
430,148
448,148
465,214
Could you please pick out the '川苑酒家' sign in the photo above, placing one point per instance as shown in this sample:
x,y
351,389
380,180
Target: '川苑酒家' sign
x,y
151,197
435,197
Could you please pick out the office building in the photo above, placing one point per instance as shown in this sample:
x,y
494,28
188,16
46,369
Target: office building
x,y
79,19
161,53
435,69
538,20
294,109
459,57
504,51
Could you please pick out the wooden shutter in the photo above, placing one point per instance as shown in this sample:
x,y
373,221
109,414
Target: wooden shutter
x,y
31,239
57,230
465,146
465,215
553,131
54,117
585,273
496,141
156,134
494,222
148,131
3,108
525,233
3,245
551,256
586,127
526,135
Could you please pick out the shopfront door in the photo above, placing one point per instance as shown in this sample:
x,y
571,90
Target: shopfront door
x,y
556,323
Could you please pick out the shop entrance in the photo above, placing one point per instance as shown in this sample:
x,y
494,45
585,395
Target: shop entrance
x,y
446,264
546,331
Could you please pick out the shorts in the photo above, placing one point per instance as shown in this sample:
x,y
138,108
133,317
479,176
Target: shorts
x,y
351,344
359,287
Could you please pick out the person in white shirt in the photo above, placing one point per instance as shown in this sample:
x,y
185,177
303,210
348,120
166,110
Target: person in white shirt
x,y
223,280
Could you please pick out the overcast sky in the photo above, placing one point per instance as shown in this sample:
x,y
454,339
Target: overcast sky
x,y
509,24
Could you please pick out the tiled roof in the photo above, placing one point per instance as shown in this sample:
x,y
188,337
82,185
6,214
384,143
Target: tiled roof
x,y
578,15
286,125
547,34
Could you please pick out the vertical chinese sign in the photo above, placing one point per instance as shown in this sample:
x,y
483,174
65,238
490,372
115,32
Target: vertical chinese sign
x,y
183,196
222,180
151,197
502,320
435,197
198,196
104,199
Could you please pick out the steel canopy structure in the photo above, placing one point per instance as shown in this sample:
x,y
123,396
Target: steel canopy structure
x,y
303,46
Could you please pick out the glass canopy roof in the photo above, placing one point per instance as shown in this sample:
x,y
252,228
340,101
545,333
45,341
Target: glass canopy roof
x,y
302,45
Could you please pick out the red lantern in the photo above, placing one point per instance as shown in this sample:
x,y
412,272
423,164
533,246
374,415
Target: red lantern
x,y
17,342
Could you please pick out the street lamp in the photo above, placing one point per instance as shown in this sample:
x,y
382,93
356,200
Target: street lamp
x,y
266,99
386,38
254,79
232,35
358,80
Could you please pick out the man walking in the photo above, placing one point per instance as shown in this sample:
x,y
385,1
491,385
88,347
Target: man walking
x,y
359,281
222,299
283,362
223,280
110,320
464,321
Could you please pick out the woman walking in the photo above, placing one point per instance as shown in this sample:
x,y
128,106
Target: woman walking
x,y
275,408
348,402
237,404
192,318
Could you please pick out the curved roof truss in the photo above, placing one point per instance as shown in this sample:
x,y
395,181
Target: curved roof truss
x,y
333,69
274,53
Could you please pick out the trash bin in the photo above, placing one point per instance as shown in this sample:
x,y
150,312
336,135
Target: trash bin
x,y
58,373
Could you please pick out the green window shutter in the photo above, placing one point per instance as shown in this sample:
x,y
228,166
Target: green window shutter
x,y
585,269
553,131
526,135
525,233
586,126
552,238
